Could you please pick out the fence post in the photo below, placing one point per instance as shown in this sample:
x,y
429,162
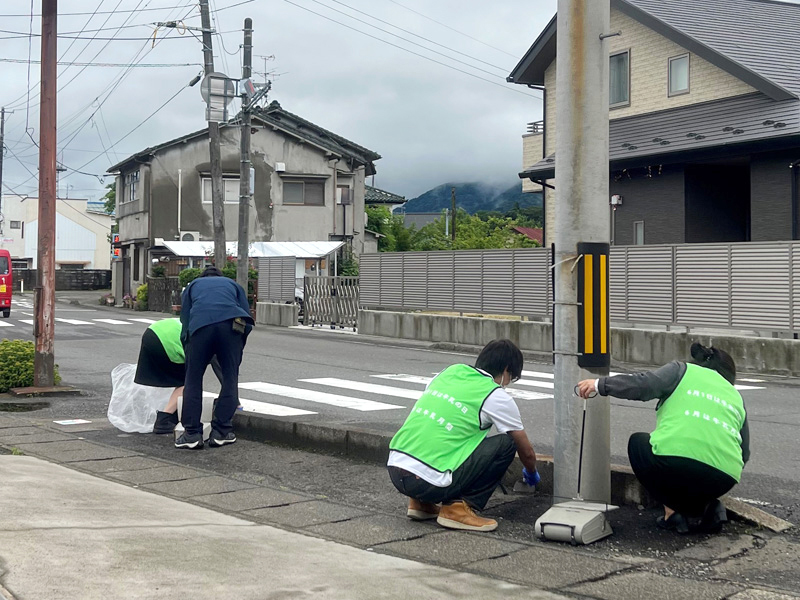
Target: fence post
x,y
335,294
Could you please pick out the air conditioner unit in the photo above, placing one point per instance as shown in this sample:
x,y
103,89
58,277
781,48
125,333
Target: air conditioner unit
x,y
190,236
280,167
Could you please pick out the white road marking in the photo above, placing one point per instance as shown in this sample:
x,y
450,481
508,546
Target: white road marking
x,y
514,393
318,397
73,321
148,321
112,321
748,387
533,383
538,374
265,408
28,321
6,324
361,386
750,380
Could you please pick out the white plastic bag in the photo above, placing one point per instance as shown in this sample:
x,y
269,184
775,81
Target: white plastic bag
x,y
133,407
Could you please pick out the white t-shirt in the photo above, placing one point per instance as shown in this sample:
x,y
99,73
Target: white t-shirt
x,y
499,409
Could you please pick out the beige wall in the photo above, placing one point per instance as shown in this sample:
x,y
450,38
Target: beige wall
x,y
532,152
649,56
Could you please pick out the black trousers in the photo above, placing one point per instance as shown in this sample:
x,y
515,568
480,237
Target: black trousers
x,y
221,341
474,481
684,484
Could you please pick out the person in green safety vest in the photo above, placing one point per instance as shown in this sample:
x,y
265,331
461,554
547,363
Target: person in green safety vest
x,y
701,441
442,456
162,363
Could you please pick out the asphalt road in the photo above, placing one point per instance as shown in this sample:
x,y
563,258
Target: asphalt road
x,y
337,378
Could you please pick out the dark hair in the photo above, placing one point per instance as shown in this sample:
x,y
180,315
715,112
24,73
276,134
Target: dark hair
x,y
499,355
716,359
211,271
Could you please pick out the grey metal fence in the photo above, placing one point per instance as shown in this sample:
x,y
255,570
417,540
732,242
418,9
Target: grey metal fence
x,y
331,301
750,285
276,279
497,281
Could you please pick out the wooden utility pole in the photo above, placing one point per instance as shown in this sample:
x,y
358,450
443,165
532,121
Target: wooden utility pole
x,y
217,191
453,213
242,266
45,291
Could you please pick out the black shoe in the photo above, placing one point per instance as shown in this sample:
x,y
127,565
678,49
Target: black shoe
x,y
216,439
714,517
191,441
676,522
165,422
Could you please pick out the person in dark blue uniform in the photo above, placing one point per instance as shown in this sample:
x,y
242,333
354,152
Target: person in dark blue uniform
x,y
216,321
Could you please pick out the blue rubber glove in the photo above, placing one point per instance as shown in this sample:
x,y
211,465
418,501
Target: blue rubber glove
x,y
532,479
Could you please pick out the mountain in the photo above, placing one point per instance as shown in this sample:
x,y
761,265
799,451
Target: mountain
x,y
472,197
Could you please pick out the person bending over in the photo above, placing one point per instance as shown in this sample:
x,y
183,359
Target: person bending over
x,y
701,441
442,455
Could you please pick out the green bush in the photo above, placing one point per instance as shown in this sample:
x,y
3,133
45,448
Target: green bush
x,y
16,364
186,276
141,297
159,271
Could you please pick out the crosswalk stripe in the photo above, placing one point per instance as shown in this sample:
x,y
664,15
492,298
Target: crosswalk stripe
x,y
538,374
532,383
6,324
148,321
266,408
748,387
112,321
73,321
28,321
361,386
318,397
514,393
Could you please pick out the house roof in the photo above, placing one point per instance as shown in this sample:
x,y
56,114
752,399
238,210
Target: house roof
x,y
376,196
279,119
661,136
753,40
532,233
257,249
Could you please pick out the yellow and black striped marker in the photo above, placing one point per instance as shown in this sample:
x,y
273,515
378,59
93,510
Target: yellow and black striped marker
x,y
594,341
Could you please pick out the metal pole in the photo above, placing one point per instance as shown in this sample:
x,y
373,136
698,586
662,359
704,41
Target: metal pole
x,y
453,209
582,90
44,309
180,186
217,192
244,163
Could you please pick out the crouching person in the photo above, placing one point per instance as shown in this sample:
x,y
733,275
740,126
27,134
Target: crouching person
x,y
442,455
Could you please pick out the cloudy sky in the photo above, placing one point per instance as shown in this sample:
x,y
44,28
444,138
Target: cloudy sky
x,y
432,100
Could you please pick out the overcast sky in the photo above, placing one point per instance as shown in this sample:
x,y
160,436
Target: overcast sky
x,y
431,123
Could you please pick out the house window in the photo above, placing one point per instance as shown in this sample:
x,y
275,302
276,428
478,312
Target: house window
x,y
308,193
679,75
638,233
16,225
230,186
131,187
620,77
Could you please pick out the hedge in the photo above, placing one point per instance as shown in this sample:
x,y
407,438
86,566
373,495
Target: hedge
x,y
16,364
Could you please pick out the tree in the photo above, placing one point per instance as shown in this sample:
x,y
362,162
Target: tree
x,y
111,206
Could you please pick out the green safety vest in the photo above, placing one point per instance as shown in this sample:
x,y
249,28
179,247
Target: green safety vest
x,y
701,420
169,334
444,426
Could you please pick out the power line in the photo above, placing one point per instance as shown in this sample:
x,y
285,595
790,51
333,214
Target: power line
x,y
109,12
504,69
409,41
453,29
94,64
505,87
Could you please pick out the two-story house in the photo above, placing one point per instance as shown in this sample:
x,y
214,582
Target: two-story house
x,y
704,113
309,187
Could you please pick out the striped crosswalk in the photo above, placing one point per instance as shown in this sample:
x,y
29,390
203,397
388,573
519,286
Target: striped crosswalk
x,y
397,391
79,322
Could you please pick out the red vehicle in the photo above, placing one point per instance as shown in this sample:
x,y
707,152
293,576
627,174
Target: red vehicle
x,y
5,283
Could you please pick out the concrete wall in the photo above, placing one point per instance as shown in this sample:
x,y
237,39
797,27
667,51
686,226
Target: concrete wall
x,y
272,313
635,346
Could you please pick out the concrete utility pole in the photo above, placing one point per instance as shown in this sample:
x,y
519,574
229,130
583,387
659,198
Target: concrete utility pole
x,y
581,207
242,265
217,191
453,212
2,151
45,297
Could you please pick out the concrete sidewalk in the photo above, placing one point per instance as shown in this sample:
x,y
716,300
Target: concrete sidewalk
x,y
66,534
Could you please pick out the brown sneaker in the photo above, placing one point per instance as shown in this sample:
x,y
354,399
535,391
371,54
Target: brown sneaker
x,y
459,515
421,511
